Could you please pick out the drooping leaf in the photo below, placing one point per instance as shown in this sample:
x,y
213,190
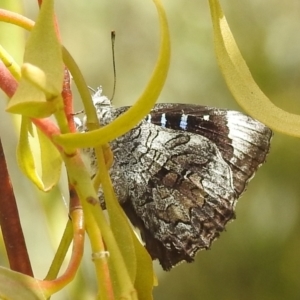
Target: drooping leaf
x,y
240,81
145,277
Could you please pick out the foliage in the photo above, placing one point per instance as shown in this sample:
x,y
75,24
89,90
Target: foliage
x,y
36,92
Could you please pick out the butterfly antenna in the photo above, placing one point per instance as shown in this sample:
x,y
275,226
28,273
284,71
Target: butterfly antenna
x,y
113,37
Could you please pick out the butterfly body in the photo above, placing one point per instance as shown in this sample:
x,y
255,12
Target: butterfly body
x,y
178,174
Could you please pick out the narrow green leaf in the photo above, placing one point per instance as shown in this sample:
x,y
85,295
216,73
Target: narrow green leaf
x,y
123,260
240,81
144,280
30,159
25,154
51,162
136,257
122,232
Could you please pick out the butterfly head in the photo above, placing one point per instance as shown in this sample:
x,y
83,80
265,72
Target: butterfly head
x,y
100,101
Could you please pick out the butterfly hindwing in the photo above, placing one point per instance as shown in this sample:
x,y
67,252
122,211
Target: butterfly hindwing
x,y
182,194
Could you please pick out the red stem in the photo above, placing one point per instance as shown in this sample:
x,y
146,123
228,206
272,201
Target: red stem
x,y
7,82
68,100
76,215
10,223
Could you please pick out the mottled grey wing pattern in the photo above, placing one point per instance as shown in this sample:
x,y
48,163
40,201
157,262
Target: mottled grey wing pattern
x,y
181,193
179,173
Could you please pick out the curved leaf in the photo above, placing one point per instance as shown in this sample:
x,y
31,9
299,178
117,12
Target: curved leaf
x,y
241,83
139,110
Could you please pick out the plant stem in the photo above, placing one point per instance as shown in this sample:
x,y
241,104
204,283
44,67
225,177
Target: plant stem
x,y
10,223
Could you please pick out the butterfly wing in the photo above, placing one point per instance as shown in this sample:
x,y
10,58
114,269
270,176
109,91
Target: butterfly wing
x,y
181,172
181,193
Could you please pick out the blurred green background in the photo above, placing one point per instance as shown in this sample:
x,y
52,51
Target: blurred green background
x,y
259,255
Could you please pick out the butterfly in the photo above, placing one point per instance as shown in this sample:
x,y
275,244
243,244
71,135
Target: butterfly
x,y
179,173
